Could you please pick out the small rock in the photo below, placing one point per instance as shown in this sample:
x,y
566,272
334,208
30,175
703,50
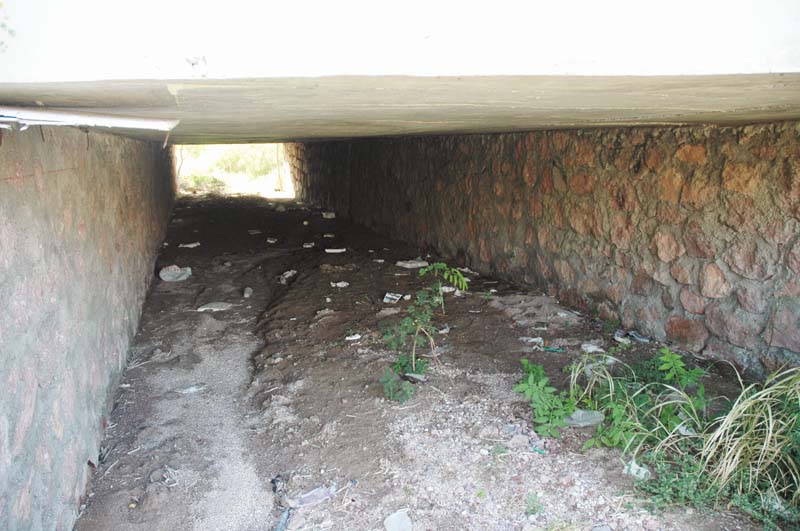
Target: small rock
x,y
518,441
190,245
248,292
174,273
215,307
398,521
286,276
308,245
340,284
632,468
412,264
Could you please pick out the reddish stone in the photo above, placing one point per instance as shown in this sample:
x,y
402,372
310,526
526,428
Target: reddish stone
x,y
565,272
752,258
615,293
790,288
740,212
692,154
654,159
667,299
642,284
670,185
692,302
681,273
734,325
793,258
698,192
783,330
606,312
688,333
751,297
698,244
621,230
667,248
582,219
529,172
581,184
713,283
740,178
546,180
584,153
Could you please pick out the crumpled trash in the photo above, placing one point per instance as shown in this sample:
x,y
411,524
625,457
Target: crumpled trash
x,y
253,232
286,276
329,215
536,342
632,468
392,298
412,264
447,289
398,521
189,245
248,292
467,271
444,330
583,418
638,337
406,297
340,284
378,260
272,240
354,337
335,250
328,235
312,497
174,273
619,337
215,307
590,348
308,245
305,223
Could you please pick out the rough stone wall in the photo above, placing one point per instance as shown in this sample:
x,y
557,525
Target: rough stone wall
x,y
81,218
691,235
329,164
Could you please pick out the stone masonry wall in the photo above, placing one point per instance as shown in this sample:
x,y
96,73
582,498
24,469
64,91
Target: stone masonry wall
x,y
691,235
81,218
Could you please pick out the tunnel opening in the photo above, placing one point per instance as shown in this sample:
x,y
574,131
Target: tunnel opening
x,y
234,169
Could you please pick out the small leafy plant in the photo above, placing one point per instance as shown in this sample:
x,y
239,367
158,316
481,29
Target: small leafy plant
x,y
550,407
532,505
395,388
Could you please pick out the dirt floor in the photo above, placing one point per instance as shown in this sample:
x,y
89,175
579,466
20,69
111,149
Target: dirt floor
x,y
226,418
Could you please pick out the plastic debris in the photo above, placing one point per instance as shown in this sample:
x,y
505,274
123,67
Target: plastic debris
x,y
638,337
192,389
253,232
589,369
308,245
553,349
386,312
340,284
412,264
590,348
632,468
313,497
272,240
619,337
467,271
335,250
398,521
323,312
414,377
392,298
354,337
174,273
447,289
444,330
248,292
535,341
406,297
286,276
215,307
305,223
583,418
189,245
328,235
328,300
378,260
329,215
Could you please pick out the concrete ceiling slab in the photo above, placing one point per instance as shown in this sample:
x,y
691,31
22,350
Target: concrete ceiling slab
x,y
308,108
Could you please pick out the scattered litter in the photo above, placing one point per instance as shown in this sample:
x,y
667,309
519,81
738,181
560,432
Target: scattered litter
x,y
632,468
340,284
253,232
354,337
492,290
323,312
371,250
215,307
308,245
553,349
305,222
412,264
286,276
280,208
328,235
248,292
165,244
414,377
583,418
467,271
378,260
536,342
590,348
173,273
444,330
283,523
406,297
619,337
328,300
329,215
386,312
333,268
192,389
335,250
398,521
272,240
313,497
473,311
447,289
189,245
392,298
638,337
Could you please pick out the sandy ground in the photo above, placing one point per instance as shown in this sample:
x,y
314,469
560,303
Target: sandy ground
x,y
224,419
